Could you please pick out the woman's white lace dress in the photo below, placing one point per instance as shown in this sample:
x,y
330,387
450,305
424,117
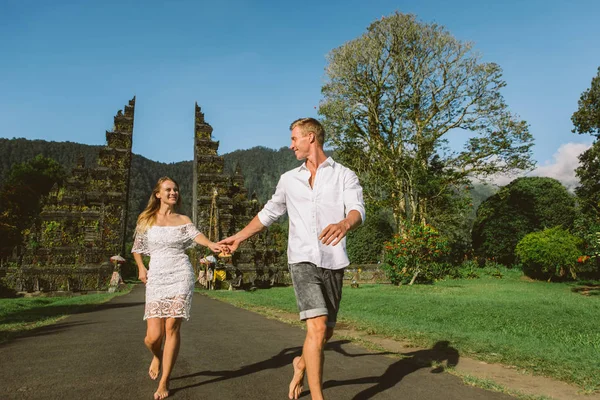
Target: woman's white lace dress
x,y
170,283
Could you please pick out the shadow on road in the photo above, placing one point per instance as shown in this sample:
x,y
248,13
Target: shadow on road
x,y
50,311
7,337
439,353
281,359
45,312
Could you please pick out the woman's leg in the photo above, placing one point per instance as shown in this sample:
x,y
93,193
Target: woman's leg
x,y
170,352
153,341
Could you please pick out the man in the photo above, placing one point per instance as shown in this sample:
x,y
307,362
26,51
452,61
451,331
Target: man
x,y
324,201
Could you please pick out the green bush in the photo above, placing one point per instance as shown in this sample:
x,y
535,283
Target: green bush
x,y
549,254
525,205
469,269
418,252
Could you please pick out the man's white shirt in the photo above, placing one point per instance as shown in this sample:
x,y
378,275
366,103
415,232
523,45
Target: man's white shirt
x,y
335,192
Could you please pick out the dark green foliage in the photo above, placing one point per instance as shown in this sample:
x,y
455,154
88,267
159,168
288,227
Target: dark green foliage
x,y
459,232
587,117
525,205
586,120
365,244
588,230
588,173
20,197
15,151
549,254
277,239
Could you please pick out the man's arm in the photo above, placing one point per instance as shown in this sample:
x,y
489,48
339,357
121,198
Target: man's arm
x,y
274,209
249,230
333,233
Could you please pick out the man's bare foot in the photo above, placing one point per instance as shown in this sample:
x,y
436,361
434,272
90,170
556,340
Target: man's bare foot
x,y
162,391
154,368
297,383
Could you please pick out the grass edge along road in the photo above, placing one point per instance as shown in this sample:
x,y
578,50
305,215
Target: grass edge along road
x,y
539,327
23,314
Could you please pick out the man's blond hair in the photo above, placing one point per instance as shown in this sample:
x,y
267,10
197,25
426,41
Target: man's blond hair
x,y
308,125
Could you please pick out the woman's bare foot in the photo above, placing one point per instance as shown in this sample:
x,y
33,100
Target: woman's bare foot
x,y
162,391
297,383
154,368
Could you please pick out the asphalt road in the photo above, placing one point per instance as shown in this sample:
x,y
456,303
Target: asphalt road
x,y
226,353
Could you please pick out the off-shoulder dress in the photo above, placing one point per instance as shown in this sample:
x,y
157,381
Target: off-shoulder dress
x,y
170,279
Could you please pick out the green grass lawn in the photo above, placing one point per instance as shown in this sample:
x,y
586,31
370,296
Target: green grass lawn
x,y
20,315
538,326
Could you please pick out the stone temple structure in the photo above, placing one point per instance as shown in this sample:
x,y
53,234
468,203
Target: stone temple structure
x,y
221,206
82,221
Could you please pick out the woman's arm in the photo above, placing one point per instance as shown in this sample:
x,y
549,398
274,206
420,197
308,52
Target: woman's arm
x,y
142,271
198,236
203,241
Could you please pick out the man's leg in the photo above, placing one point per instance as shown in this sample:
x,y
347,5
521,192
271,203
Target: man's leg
x,y
318,294
312,352
297,383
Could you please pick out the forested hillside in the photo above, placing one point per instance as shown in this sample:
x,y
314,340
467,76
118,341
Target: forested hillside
x,y
13,151
260,166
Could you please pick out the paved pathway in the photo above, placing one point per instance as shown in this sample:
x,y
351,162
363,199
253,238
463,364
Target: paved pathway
x,y
226,353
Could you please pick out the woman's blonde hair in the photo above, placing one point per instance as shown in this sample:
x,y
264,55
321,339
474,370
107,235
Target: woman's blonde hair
x,y
147,217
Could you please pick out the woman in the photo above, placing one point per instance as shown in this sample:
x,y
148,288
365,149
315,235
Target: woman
x,y
164,235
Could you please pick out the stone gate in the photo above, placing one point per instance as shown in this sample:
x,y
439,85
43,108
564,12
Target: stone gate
x,y
255,262
82,221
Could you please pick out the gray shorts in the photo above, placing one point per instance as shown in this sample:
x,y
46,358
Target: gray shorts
x,y
318,290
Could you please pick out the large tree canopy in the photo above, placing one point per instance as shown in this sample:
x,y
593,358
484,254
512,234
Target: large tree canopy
x,y
396,95
587,121
587,117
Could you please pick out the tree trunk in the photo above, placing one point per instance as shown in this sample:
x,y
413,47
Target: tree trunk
x,y
414,276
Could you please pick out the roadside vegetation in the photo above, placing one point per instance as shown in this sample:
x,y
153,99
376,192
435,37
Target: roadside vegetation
x,y
21,315
544,328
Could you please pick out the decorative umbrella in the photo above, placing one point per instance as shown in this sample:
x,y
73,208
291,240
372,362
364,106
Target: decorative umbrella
x,y
116,279
117,259
208,260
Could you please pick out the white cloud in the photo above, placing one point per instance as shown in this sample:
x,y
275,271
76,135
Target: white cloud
x,y
563,164
561,167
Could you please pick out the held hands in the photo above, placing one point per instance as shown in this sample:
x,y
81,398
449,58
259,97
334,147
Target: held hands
x,y
334,233
229,244
215,247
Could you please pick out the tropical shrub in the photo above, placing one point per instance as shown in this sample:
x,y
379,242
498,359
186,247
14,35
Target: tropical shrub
x,y
468,269
415,253
549,254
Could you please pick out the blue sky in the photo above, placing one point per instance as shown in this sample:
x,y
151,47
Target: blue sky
x,y
254,66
